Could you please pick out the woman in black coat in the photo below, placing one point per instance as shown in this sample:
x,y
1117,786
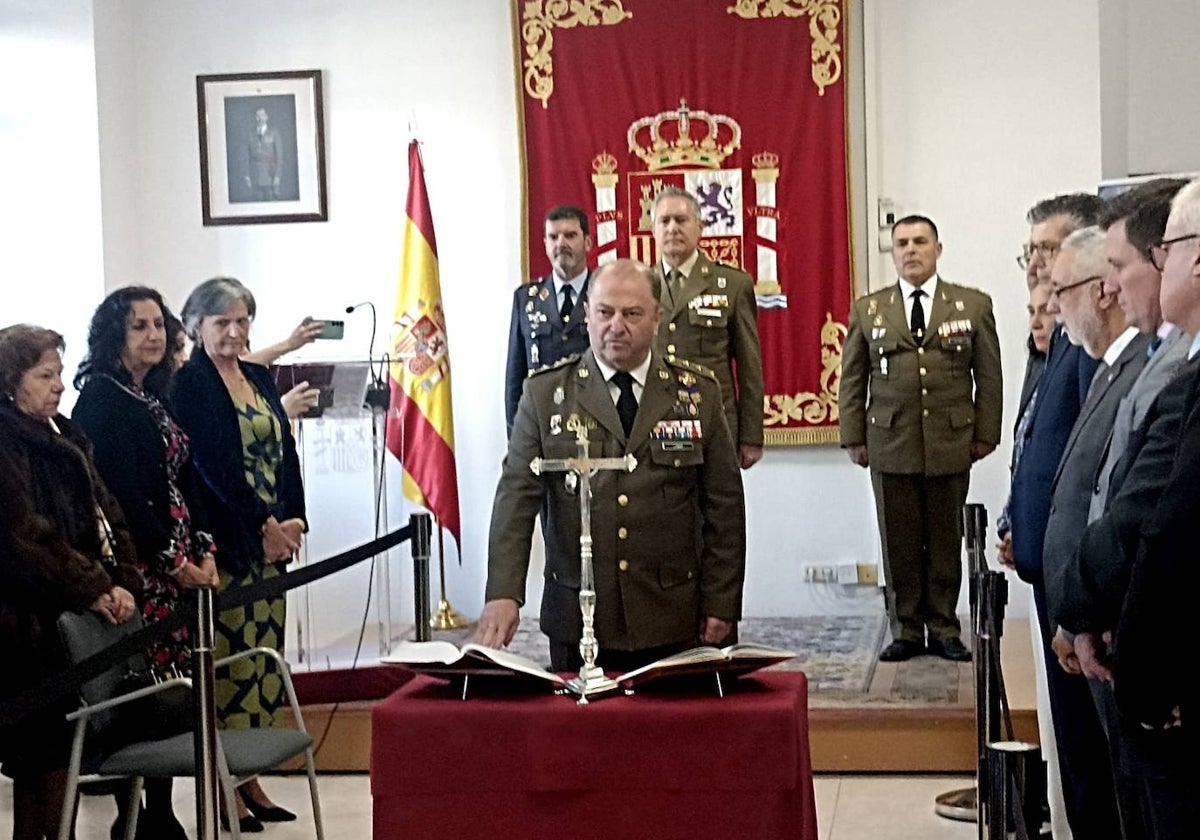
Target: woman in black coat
x,y
244,451
63,546
144,457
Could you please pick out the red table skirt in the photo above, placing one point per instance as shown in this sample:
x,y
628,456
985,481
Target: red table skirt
x,y
652,765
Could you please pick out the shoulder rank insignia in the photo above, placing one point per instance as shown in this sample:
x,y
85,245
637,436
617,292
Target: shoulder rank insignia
x,y
569,360
544,293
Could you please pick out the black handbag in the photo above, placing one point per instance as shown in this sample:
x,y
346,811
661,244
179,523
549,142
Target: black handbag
x,y
154,717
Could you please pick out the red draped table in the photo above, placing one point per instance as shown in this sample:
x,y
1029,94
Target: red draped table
x,y
539,766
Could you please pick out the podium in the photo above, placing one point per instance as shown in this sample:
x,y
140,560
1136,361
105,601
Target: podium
x,y
341,444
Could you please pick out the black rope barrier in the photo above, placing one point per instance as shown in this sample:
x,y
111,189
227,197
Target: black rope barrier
x,y
72,679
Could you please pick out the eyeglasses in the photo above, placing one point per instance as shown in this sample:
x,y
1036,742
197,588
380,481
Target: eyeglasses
x,y
1164,246
1058,291
1046,250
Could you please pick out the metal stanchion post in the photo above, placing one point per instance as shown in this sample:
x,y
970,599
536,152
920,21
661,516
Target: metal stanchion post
x,y
422,533
965,803
207,803
1016,790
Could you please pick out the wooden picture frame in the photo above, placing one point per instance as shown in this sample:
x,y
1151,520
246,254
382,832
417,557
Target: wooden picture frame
x,y
262,147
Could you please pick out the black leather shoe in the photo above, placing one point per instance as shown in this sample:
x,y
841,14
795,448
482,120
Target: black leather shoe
x,y
952,649
268,813
248,824
901,650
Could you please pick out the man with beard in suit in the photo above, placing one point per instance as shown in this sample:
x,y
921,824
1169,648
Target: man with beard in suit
x,y
669,538
1093,320
1135,467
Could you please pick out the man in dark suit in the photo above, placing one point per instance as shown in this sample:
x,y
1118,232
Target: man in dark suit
x,y
1071,730
710,317
921,398
669,538
1153,687
1135,466
548,314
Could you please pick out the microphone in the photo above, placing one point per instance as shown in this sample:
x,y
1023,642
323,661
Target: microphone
x,y
378,395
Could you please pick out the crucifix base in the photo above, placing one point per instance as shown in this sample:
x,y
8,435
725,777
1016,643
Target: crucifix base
x,y
590,683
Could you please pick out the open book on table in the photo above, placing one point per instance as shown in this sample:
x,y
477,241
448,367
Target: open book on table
x,y
446,659
733,661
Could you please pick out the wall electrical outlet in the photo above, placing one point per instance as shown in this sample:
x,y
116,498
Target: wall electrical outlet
x,y
820,574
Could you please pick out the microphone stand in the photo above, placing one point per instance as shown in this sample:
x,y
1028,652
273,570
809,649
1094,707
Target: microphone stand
x,y
378,395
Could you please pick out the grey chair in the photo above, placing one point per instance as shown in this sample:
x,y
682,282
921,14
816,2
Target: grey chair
x,y
242,754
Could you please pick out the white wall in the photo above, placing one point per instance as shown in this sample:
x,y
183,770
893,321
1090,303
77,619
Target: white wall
x,y
980,109
50,235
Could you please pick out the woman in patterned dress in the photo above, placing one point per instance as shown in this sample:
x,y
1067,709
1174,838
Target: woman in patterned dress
x,y
246,456
144,458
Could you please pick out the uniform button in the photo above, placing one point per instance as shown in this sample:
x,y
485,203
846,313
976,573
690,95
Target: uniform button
x,y
922,371
920,351
691,575
565,337
622,500
925,412
623,565
872,421
924,392
678,462
622,533
670,348
670,327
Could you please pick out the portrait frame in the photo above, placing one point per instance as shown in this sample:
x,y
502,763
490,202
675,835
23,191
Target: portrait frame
x,y
262,147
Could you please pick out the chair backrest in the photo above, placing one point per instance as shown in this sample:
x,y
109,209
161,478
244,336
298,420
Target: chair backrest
x,y
86,634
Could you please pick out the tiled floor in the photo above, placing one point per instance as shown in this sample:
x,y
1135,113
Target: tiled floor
x,y
848,808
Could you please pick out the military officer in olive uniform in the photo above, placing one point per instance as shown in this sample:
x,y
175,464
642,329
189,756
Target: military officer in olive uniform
x,y
710,317
548,314
920,401
669,538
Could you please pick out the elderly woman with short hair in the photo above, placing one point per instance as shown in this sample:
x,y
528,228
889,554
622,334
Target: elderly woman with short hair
x,y
245,453
63,546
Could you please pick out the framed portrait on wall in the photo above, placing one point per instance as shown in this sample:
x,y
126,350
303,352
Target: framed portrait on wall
x,y
262,147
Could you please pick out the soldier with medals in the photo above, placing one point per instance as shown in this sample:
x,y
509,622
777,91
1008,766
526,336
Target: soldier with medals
x,y
548,314
669,538
710,317
921,397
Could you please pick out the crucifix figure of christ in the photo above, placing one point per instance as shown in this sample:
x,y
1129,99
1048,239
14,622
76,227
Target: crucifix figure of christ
x,y
591,679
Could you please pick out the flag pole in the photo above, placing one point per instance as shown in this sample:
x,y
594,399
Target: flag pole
x,y
446,617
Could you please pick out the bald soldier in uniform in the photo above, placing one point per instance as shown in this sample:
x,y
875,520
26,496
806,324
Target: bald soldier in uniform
x,y
669,539
920,401
710,317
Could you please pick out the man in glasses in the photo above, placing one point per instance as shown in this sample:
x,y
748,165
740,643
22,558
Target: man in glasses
x,y
1093,320
1081,791
1138,460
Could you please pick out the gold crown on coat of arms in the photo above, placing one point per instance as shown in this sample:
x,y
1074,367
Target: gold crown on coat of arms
x,y
684,137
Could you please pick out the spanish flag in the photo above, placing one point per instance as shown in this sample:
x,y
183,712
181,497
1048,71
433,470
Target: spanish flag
x,y
420,423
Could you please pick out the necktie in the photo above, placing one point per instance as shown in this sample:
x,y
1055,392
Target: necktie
x,y
627,405
1153,348
1098,376
675,284
917,319
567,305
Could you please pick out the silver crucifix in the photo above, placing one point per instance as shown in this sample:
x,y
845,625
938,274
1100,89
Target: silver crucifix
x,y
591,679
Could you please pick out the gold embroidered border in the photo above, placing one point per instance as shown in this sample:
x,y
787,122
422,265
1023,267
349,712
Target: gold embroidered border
x,y
807,406
824,18
539,20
